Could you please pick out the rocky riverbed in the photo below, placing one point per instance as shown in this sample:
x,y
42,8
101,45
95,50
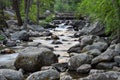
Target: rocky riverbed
x,y
59,54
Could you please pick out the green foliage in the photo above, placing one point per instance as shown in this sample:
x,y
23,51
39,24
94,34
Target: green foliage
x,y
2,37
44,5
103,10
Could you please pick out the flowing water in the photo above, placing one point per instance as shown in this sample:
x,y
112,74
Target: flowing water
x,y
65,37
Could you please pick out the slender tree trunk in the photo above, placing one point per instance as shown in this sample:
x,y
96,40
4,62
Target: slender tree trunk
x,y
27,4
16,8
2,18
3,23
38,11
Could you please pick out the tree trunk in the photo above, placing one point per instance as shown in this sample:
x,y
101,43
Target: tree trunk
x,y
2,20
16,8
27,4
38,11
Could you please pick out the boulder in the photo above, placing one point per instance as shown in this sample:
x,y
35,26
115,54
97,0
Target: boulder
x,y
78,60
36,28
46,33
95,29
84,69
9,43
102,46
110,75
44,75
94,52
108,55
34,33
21,35
11,74
106,65
79,33
76,49
61,67
86,40
33,58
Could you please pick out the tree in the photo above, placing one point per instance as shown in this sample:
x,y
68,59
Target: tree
x,y
38,11
107,12
27,4
2,17
16,7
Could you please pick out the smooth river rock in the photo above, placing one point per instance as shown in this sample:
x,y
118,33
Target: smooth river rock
x,y
33,58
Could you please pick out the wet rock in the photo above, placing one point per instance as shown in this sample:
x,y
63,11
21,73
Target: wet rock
x,y
78,34
36,28
54,37
117,59
94,52
34,33
44,75
7,51
33,58
108,55
110,75
21,35
95,29
86,40
67,77
47,33
106,65
98,45
95,71
9,43
11,74
61,67
56,42
76,49
78,60
85,68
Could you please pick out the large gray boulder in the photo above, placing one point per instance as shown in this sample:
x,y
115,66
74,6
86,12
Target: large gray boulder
x,y
21,35
108,55
101,46
33,58
78,60
8,74
44,75
95,29
110,75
